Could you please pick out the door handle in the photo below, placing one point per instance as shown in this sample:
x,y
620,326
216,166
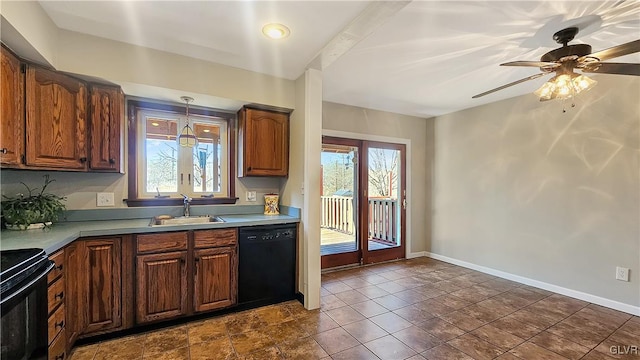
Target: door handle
x,y
404,204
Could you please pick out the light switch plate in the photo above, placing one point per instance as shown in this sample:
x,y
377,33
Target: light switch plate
x,y
105,199
251,196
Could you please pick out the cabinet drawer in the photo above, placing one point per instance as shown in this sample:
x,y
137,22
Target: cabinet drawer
x,y
55,294
58,259
213,238
162,242
56,323
57,350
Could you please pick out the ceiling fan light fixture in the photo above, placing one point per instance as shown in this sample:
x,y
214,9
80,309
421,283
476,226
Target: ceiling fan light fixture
x,y
583,83
564,86
545,92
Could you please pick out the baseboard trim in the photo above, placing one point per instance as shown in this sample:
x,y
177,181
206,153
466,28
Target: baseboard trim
x,y
630,309
416,254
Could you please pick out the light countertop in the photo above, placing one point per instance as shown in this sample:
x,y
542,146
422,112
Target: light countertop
x,y
61,234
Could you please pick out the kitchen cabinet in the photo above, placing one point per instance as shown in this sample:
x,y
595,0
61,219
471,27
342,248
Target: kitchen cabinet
x,y
263,142
56,123
100,281
56,308
215,269
106,113
72,289
11,110
161,276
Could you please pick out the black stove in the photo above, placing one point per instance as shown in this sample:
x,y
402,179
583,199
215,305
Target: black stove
x,y
16,266
23,304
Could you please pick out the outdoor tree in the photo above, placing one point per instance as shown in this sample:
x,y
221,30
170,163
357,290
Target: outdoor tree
x,y
383,172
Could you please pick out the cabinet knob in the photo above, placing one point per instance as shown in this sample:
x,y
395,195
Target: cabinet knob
x,y
83,159
59,267
60,357
4,150
60,295
59,324
249,168
112,161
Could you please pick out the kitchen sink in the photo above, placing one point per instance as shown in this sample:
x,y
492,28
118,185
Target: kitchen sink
x,y
185,220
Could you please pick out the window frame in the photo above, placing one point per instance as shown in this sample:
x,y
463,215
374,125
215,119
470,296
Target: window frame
x,y
133,198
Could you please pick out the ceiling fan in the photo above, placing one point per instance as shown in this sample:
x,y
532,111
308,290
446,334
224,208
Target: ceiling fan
x,y
564,60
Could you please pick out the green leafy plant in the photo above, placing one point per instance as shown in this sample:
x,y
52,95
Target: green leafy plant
x,y
36,207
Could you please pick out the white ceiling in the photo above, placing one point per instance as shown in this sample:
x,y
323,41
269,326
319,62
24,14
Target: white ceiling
x,y
426,59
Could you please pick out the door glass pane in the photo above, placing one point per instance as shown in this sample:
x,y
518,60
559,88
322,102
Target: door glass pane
x,y
161,155
206,158
339,199
383,194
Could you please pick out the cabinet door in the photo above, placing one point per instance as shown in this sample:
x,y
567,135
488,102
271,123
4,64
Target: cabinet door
x,y
56,121
264,136
73,275
101,291
161,286
216,278
105,135
11,110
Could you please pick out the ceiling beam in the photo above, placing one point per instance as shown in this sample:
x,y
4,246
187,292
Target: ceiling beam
x,y
372,17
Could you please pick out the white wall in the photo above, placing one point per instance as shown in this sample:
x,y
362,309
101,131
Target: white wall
x,y
419,132
524,188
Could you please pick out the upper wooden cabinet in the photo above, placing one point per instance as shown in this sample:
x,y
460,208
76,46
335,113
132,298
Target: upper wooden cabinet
x,y
106,112
12,110
56,122
263,142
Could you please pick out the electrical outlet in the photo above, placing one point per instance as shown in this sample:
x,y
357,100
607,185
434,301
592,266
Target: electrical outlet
x,y
622,273
105,199
251,196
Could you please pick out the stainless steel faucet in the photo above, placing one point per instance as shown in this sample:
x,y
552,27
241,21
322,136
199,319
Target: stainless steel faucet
x,y
187,204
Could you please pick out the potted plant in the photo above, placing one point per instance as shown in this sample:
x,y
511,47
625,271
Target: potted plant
x,y
34,210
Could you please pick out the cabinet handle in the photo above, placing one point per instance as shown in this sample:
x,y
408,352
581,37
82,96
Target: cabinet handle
x,y
182,261
197,259
60,357
249,168
83,159
181,178
112,161
59,324
59,267
4,150
59,295
189,178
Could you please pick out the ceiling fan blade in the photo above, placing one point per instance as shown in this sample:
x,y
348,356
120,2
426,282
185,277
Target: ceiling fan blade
x,y
531,63
508,85
610,53
613,68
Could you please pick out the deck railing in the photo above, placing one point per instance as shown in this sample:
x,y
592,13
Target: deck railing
x,y
382,220
338,215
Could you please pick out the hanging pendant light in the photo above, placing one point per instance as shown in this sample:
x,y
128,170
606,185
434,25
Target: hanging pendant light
x,y
187,137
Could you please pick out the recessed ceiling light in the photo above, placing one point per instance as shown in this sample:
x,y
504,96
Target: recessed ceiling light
x,y
155,123
275,31
206,130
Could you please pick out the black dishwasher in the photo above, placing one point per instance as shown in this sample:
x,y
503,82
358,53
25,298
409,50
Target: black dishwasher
x,y
267,265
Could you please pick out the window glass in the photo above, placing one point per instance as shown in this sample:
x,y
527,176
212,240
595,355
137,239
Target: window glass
x,y
166,169
161,154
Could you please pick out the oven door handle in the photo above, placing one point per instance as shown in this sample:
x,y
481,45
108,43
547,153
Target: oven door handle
x,y
29,285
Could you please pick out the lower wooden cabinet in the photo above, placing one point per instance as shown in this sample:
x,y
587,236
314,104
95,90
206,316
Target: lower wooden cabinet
x,y
215,278
161,286
101,273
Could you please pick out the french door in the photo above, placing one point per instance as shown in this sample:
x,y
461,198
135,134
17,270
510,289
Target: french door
x,y
363,201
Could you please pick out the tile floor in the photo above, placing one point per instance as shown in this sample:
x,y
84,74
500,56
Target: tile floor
x,y
411,309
